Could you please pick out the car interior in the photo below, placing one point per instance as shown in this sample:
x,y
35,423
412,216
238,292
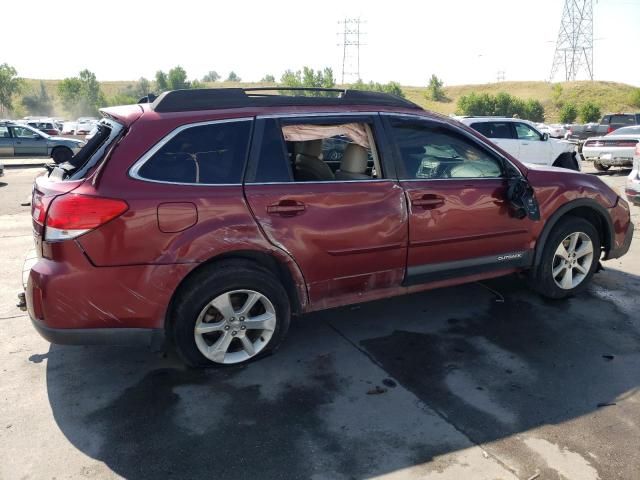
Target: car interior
x,y
321,153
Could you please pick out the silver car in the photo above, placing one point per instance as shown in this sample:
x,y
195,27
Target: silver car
x,y
18,140
615,149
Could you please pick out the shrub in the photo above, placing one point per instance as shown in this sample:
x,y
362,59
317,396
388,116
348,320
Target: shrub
x,y
589,112
568,113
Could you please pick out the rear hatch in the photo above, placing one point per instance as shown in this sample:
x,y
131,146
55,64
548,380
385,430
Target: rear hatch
x,y
58,183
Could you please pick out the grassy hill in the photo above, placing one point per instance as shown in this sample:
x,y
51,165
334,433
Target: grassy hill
x,y
610,96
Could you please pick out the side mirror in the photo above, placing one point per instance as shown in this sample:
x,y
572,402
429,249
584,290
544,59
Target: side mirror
x,y
545,137
522,199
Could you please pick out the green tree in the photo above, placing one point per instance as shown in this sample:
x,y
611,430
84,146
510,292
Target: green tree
x,y
589,112
38,102
122,99
393,88
10,85
162,83
177,79
434,89
502,104
533,110
635,98
309,78
268,78
196,84
233,77
556,95
142,88
81,95
568,113
211,76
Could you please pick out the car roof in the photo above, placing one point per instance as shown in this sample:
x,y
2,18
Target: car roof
x,y
476,119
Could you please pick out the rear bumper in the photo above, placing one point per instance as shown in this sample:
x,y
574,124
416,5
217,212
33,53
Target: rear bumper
x,y
145,337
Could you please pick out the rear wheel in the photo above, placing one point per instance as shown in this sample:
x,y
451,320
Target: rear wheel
x,y
61,155
230,313
569,258
601,167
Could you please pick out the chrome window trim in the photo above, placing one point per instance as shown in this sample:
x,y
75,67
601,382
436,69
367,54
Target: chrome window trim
x,y
315,182
461,131
134,170
315,114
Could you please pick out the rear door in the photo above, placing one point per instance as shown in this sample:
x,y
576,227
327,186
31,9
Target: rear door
x,y
27,142
459,221
500,133
6,142
349,237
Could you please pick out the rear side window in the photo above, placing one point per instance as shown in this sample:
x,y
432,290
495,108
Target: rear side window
x,y
493,129
210,154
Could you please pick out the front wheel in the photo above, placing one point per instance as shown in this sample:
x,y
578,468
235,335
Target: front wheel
x,y
229,314
601,167
569,259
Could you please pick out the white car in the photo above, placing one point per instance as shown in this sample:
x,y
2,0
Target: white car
x,y
521,139
633,181
69,128
554,131
616,149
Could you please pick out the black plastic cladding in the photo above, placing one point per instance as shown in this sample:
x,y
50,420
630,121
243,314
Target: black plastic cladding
x,y
219,98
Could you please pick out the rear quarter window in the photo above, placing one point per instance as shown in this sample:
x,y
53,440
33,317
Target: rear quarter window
x,y
211,154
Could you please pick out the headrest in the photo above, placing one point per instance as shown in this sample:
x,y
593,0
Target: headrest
x,y
310,148
355,159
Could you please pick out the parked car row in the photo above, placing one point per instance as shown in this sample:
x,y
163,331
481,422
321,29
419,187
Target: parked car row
x,y
608,124
22,140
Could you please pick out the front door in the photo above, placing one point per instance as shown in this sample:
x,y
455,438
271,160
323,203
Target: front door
x,y
345,225
459,220
27,142
533,148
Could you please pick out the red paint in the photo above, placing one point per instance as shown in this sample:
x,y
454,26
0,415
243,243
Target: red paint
x,y
341,242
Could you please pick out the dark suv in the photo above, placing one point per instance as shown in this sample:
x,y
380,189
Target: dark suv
x,y
211,216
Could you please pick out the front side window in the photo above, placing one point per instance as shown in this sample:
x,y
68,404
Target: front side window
x,y
525,132
207,154
437,152
4,132
22,132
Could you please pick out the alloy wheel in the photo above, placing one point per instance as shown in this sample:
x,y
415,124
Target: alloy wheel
x,y
235,326
572,260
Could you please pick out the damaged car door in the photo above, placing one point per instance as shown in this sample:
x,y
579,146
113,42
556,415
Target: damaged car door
x,y
461,221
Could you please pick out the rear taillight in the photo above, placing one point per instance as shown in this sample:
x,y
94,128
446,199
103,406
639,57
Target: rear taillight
x,y
637,152
72,214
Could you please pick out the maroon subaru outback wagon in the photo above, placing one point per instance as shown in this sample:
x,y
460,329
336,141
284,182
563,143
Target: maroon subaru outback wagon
x,y
209,217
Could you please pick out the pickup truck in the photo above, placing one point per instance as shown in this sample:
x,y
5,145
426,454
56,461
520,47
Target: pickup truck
x,y
608,124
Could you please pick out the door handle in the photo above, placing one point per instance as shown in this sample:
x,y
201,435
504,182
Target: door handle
x,y
525,143
286,208
428,201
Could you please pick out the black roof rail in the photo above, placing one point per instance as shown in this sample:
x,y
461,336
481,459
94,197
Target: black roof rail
x,y
219,98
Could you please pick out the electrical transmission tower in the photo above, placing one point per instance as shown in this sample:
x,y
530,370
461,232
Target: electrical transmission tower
x,y
574,48
350,34
500,76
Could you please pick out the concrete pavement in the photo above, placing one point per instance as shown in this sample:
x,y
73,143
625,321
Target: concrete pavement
x,y
481,381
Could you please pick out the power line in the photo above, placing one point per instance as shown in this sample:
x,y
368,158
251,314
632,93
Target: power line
x,y
574,47
350,35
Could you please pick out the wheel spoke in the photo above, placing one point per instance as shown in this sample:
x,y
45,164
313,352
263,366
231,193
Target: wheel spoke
x,y
209,327
585,249
558,270
218,350
252,298
580,268
573,241
223,305
266,321
567,279
561,251
248,346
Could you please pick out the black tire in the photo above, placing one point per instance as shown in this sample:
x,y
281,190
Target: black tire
x,y
541,277
61,154
209,283
567,160
600,167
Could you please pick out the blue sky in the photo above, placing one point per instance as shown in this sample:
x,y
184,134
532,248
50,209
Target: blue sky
x,y
462,41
